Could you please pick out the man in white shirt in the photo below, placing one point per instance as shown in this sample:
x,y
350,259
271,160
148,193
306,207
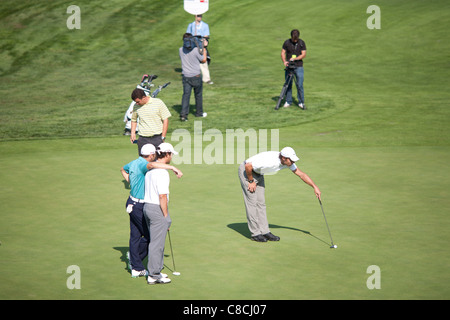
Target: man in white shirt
x,y
251,174
156,211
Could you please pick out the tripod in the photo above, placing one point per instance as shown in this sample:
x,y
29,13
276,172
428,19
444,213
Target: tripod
x,y
286,85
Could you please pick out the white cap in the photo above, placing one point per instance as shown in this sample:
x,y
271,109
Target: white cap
x,y
288,152
166,147
148,149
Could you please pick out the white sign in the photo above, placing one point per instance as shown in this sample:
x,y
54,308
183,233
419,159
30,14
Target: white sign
x,y
196,6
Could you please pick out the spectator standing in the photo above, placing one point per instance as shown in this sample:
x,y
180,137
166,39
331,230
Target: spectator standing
x,y
201,28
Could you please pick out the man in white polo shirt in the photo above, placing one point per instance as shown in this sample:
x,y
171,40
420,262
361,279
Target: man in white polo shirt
x,y
156,211
251,174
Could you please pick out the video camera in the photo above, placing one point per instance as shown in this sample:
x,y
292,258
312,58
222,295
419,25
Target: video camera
x,y
291,65
192,42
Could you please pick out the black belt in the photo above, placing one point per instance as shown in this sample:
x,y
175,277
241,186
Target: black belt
x,y
156,135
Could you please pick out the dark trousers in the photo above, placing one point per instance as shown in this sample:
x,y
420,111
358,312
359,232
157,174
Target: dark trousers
x,y
155,140
189,84
139,235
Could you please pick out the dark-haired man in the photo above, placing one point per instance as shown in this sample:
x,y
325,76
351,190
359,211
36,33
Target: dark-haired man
x,y
153,119
156,210
294,49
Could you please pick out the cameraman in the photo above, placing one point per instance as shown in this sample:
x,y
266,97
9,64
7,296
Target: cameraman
x,y
292,54
201,28
192,79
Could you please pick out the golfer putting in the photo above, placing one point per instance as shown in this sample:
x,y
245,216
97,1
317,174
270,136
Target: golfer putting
x,y
251,174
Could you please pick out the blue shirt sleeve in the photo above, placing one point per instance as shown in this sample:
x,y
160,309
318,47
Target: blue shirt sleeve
x,y
143,167
127,167
189,29
206,30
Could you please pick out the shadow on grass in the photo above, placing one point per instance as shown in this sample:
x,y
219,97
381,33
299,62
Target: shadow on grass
x,y
242,228
123,258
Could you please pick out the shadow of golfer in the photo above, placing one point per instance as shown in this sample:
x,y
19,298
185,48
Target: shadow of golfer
x,y
242,228
124,258
126,184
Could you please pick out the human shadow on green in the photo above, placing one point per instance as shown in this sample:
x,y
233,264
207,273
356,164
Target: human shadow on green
x,y
242,228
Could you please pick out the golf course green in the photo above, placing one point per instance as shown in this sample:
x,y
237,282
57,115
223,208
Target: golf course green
x,y
375,138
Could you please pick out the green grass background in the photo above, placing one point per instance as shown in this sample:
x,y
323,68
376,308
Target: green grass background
x,y
375,138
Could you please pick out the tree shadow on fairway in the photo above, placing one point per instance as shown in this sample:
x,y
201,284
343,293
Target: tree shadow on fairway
x,y
242,228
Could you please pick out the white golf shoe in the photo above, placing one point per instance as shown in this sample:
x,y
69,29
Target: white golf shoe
x,y
162,280
137,274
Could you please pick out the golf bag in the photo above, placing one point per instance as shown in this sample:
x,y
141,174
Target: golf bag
x,y
145,85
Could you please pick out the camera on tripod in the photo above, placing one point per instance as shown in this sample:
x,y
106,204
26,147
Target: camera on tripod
x,y
291,65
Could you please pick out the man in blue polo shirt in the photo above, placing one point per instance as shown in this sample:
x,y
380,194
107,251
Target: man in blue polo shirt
x,y
201,28
134,173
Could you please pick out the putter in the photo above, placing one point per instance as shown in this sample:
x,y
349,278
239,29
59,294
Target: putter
x,y
173,260
333,246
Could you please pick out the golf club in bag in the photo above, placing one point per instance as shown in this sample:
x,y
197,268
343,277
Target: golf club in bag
x,y
145,85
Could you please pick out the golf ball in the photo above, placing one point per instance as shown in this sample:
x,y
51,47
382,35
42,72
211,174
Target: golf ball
x,y
334,246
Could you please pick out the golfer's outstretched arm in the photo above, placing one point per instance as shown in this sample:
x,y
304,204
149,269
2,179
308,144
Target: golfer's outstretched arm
x,y
160,165
308,181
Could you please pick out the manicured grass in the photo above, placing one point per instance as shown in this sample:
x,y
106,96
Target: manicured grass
x,y
66,207
60,83
375,138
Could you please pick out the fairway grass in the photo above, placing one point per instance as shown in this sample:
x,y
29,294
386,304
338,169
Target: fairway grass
x,y
65,206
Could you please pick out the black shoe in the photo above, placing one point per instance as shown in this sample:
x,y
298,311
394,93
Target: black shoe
x,y
259,238
183,119
269,236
